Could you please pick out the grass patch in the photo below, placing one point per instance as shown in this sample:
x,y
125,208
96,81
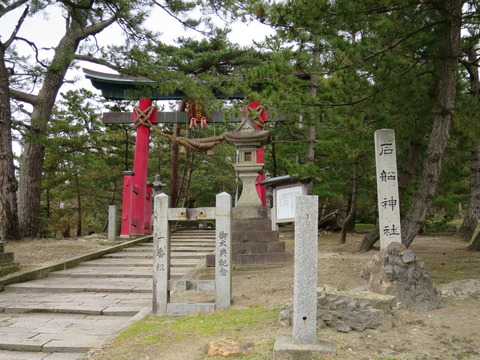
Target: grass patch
x,y
153,333
221,322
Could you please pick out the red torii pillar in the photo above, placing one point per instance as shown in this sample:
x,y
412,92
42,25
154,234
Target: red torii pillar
x,y
137,196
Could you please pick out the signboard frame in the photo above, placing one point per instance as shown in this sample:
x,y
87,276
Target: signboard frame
x,y
283,210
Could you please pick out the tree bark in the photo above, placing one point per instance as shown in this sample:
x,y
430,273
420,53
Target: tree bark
x,y
79,206
470,221
353,208
9,229
29,191
442,119
312,129
174,161
475,244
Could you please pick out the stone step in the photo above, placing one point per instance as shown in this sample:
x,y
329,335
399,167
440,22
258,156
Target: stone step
x,y
128,255
193,236
35,355
87,303
149,255
190,255
140,249
74,310
180,248
69,308
198,244
177,260
119,285
115,272
62,333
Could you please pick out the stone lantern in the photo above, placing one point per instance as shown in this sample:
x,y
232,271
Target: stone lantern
x,y
253,240
157,185
247,139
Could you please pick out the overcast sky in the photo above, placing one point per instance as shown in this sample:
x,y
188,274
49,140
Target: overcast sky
x,y
46,31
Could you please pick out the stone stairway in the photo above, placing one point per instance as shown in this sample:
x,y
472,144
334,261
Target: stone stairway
x,y
71,311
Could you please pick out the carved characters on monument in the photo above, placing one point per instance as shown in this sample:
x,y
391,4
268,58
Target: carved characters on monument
x,y
223,252
387,187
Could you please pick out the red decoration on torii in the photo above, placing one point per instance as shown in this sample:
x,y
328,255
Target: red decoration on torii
x,y
137,195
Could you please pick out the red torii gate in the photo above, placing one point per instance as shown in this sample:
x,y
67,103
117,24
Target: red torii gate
x,y
137,195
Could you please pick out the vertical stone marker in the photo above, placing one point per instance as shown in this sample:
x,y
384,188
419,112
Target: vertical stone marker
x,y
161,251
305,270
223,251
112,222
304,345
387,187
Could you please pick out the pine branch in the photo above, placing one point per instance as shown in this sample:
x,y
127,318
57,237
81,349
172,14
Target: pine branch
x,y
94,60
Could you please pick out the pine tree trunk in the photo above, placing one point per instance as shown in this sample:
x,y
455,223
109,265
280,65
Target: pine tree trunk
x,y
443,112
312,129
79,207
350,219
475,244
29,190
174,161
470,221
8,184
369,240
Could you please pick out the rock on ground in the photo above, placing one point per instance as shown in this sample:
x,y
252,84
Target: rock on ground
x,y
347,311
227,347
461,289
395,271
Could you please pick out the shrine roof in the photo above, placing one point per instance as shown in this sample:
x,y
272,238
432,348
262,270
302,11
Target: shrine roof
x,y
283,180
128,87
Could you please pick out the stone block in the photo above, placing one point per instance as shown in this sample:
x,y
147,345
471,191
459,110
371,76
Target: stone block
x,y
286,349
180,309
252,247
254,234
251,212
262,259
249,224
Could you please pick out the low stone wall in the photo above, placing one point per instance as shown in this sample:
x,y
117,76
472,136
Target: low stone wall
x,y
348,311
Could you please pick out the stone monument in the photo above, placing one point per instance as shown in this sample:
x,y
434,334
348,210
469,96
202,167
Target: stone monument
x,y
304,345
387,188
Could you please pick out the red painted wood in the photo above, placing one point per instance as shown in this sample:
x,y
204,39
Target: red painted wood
x,y
261,190
137,215
126,205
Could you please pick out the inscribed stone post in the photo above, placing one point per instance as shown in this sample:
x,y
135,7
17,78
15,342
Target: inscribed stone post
x,y
112,222
223,251
305,270
161,255
387,187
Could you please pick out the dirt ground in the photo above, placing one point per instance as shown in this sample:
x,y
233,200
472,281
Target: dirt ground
x,y
444,334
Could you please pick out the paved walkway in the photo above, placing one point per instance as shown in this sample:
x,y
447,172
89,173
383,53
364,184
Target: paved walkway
x,y
64,315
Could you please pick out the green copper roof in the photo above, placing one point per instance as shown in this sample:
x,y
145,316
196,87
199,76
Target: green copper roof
x,y
125,87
